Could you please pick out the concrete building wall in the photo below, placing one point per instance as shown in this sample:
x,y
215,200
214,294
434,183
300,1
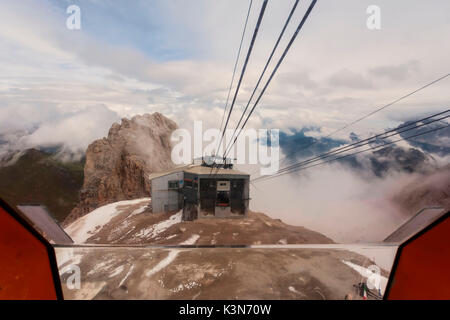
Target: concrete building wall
x,y
163,198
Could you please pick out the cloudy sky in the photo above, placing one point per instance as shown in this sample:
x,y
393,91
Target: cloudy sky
x,y
176,57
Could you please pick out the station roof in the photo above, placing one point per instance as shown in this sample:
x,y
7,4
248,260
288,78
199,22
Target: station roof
x,y
201,171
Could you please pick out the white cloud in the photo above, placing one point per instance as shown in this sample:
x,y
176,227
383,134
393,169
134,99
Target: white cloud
x,y
397,72
58,72
349,79
335,201
74,130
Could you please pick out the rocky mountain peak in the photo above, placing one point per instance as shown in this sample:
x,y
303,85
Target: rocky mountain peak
x,y
117,165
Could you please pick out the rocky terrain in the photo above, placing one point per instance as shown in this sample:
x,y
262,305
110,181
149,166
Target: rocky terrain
x,y
116,166
162,257
130,222
304,273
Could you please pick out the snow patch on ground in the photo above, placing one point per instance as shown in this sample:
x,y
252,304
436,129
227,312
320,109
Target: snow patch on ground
x,y
163,263
154,230
367,273
293,290
126,276
139,210
86,226
171,256
120,229
102,266
192,240
188,286
117,271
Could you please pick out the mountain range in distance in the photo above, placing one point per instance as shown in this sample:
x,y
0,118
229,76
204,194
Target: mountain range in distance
x,y
38,175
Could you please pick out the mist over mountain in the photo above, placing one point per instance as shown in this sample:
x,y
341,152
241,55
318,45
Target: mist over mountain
x,y
416,155
53,173
437,142
68,180
299,145
66,133
346,198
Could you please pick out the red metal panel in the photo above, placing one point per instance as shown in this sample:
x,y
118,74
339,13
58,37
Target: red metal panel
x,y
25,269
423,268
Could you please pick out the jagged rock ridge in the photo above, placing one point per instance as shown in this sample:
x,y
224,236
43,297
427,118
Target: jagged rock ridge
x,y
116,166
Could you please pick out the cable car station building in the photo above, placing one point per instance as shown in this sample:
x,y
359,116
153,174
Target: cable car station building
x,y
202,191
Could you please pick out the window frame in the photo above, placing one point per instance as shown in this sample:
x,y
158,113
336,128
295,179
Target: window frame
x,y
173,182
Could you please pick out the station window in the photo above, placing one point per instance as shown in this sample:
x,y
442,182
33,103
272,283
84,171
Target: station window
x,y
174,184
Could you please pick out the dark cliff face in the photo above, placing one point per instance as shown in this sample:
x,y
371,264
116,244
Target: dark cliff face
x,y
117,166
